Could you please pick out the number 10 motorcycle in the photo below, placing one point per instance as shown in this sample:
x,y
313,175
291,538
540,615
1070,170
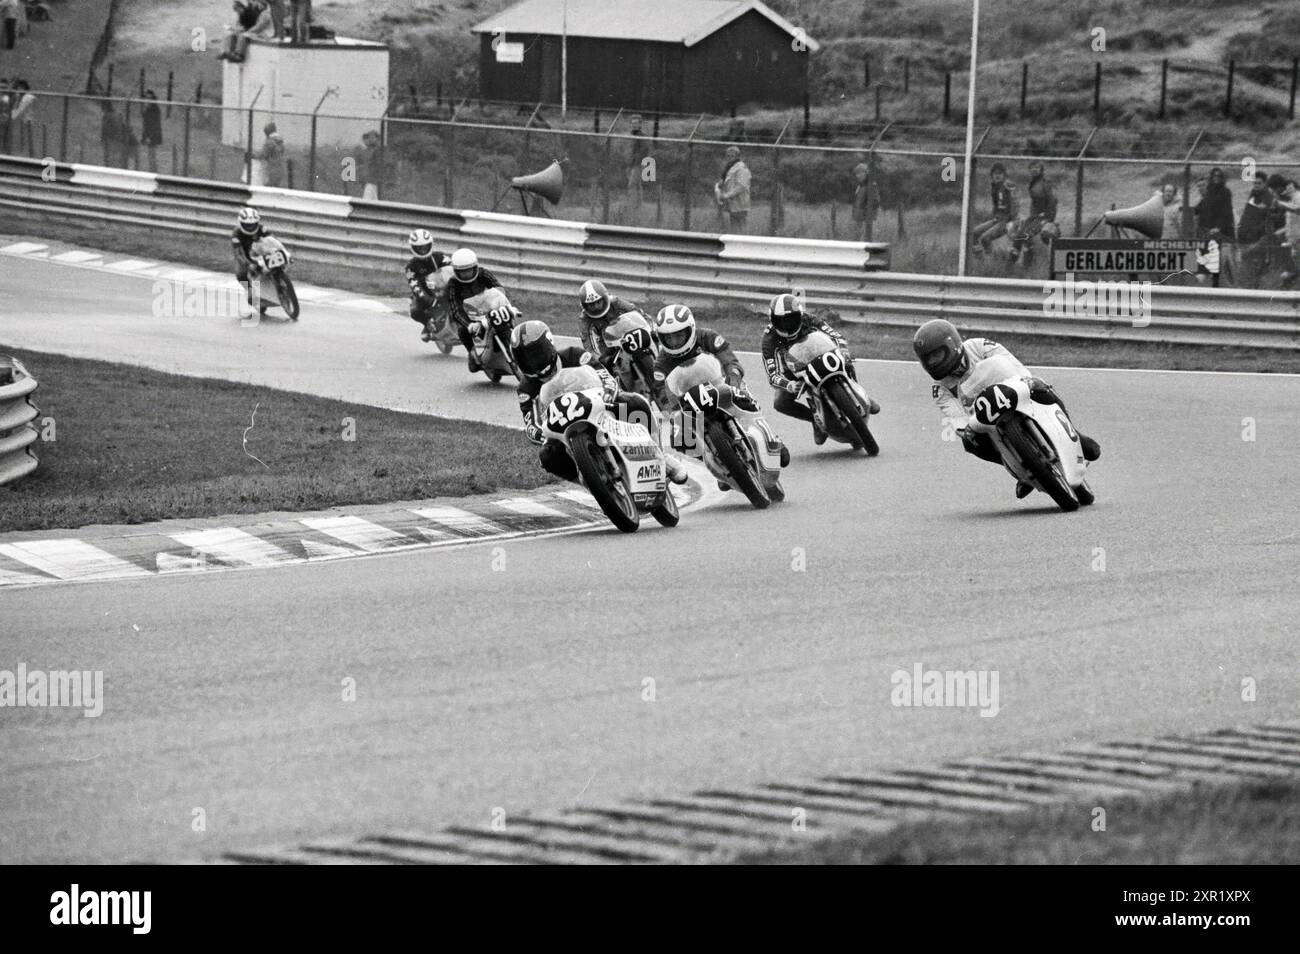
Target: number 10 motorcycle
x,y
618,461
840,406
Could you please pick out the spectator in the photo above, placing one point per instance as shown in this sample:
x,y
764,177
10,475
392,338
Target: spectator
x,y
866,200
732,192
1006,208
1214,209
10,11
248,14
1173,212
1254,235
1041,221
1287,200
300,20
372,172
6,109
268,162
151,128
278,10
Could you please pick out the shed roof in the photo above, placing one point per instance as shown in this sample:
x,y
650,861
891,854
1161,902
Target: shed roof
x,y
657,21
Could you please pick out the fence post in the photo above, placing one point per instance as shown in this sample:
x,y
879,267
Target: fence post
x,y
866,72
1164,86
109,90
63,133
947,95
289,169
170,78
907,74
1227,98
1024,85
449,163
807,114
1096,93
248,145
877,102
690,176
1078,183
142,82
185,168
1295,73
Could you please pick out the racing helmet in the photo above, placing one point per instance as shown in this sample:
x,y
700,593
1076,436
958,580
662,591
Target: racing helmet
x,y
250,220
595,299
786,314
938,346
534,350
421,243
675,326
464,264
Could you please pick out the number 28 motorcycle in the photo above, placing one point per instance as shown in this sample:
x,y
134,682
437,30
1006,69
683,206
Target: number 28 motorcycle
x,y
270,260
737,445
840,406
618,461
1037,442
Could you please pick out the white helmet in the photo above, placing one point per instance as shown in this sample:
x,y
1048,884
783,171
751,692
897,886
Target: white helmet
x,y
421,243
676,328
464,264
249,219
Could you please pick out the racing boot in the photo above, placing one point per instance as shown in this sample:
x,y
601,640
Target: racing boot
x,y
874,408
472,362
1023,489
427,333
673,467
819,436
723,485
1091,449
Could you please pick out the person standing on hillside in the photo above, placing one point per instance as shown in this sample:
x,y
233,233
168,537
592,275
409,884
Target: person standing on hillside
x,y
866,200
151,129
10,12
732,192
1254,234
1006,207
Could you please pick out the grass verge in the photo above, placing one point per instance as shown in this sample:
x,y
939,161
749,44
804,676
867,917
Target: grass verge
x,y
1253,823
129,445
743,325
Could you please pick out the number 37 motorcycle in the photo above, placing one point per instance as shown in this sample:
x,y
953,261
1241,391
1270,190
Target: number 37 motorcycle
x,y
618,461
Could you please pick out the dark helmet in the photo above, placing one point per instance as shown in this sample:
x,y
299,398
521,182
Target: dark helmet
x,y
938,346
786,314
534,350
595,299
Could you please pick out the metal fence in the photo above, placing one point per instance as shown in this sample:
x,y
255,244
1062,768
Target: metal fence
x,y
800,189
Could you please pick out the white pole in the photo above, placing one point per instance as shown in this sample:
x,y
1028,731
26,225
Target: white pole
x,y
564,61
963,240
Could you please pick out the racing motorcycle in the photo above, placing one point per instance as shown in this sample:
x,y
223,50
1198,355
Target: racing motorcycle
x,y
840,406
618,461
739,447
496,319
630,335
440,323
1037,442
270,259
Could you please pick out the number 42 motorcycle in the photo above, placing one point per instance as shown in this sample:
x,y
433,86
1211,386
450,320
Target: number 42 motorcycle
x,y
1038,443
618,461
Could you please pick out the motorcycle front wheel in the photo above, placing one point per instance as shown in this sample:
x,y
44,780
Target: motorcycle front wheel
x,y
287,294
608,488
743,473
1028,445
839,392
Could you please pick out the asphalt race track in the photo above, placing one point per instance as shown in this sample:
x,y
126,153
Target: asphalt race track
x,y
523,688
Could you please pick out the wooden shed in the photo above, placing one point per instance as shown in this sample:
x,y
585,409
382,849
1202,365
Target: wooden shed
x,y
684,56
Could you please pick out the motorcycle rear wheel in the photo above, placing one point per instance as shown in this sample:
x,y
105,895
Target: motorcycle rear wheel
x,y
848,404
1028,445
667,513
287,294
610,492
743,474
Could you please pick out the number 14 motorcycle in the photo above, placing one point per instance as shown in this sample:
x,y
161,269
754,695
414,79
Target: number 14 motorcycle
x,y
618,461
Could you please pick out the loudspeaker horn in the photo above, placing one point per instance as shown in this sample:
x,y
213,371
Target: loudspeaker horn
x,y
1147,219
549,183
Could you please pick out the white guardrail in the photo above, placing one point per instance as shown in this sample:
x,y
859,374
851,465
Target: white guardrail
x,y
549,255
17,435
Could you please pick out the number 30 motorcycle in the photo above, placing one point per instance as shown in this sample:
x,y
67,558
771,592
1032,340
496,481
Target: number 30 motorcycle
x,y
496,318
840,406
618,461
1038,443
739,447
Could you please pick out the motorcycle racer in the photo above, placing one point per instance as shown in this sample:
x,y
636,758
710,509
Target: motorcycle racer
x,y
680,341
420,268
789,324
468,279
951,361
600,309
538,359
248,229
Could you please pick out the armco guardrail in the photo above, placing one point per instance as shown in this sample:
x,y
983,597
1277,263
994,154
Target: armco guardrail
x,y
555,256
17,435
